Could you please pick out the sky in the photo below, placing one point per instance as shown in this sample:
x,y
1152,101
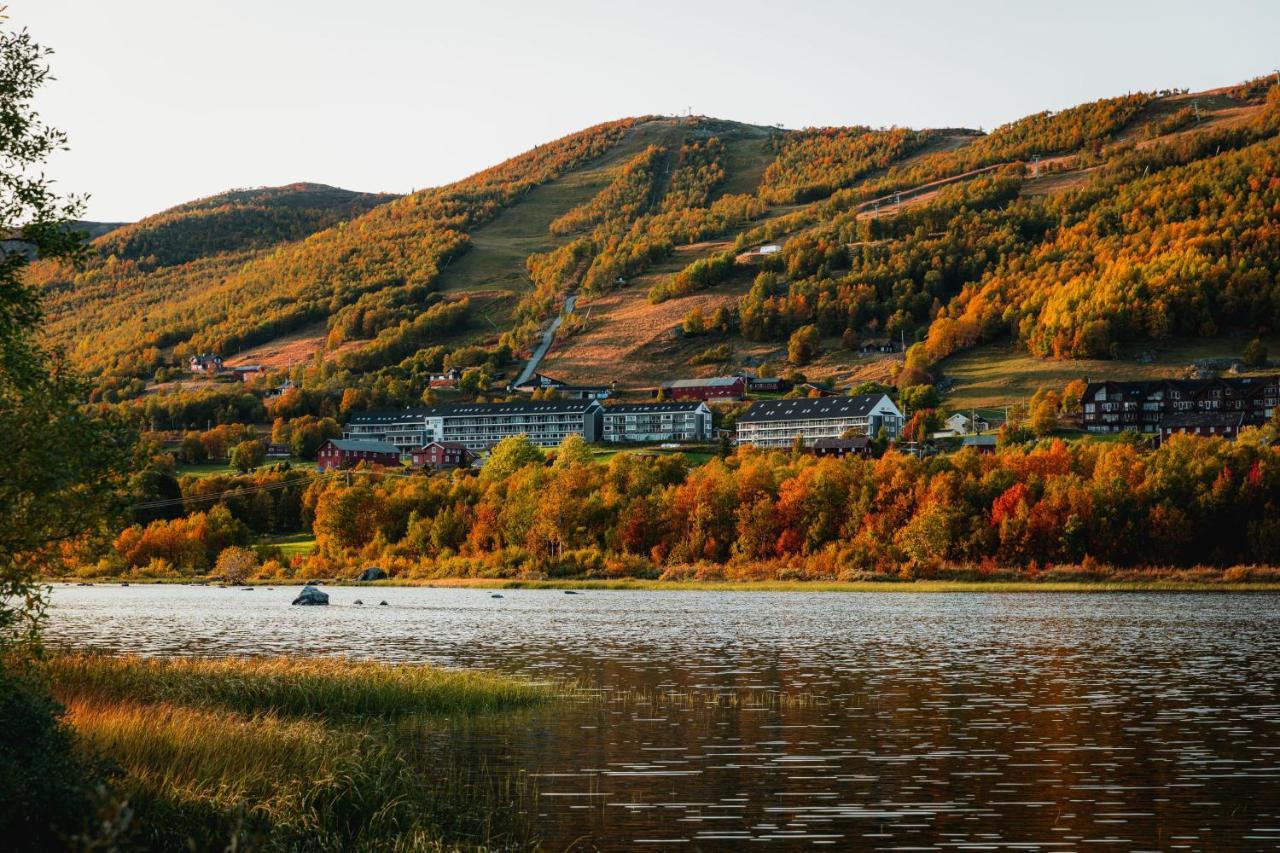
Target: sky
x,y
170,100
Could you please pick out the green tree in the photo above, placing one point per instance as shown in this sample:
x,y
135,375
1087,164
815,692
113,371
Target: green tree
x,y
510,455
574,450
62,473
694,323
804,345
248,455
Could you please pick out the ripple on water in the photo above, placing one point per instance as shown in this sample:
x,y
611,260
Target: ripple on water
x,y
1030,722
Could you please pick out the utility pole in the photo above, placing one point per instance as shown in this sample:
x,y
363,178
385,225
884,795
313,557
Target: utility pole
x,y
1195,107
1035,166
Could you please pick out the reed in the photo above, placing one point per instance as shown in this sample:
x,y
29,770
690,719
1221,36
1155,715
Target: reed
x,y
269,754
327,687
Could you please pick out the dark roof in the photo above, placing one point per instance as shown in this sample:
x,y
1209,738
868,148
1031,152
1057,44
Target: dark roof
x,y
980,440
854,443
649,408
352,444
1193,420
1242,386
465,409
804,408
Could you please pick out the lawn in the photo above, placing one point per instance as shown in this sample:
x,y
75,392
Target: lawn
x,y
697,455
993,376
223,467
293,544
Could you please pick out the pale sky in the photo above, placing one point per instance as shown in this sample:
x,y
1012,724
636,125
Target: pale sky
x,y
170,100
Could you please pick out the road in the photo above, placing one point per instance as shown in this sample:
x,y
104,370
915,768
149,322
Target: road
x,y
549,335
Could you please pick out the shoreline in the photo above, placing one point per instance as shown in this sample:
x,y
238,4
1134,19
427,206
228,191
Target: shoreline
x,y
622,584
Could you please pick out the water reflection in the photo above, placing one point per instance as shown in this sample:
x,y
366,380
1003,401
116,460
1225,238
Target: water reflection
x,y
889,721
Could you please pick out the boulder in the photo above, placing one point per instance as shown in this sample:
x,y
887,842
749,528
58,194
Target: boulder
x,y
311,595
382,604
357,602
373,573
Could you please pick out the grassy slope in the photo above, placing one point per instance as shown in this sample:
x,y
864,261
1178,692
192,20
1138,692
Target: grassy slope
x,y
996,375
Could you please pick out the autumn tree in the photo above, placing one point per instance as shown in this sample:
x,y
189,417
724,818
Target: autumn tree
x,y
804,345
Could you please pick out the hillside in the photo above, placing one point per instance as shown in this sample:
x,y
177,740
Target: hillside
x,y
1076,234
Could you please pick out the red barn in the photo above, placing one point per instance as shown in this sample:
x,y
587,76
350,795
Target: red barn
x,y
713,388
442,454
344,453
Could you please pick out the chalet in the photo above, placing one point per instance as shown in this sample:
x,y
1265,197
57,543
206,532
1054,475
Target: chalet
x,y
651,422
713,388
278,451
344,453
248,372
478,426
205,363
962,424
280,390
566,391
1142,406
766,384
1208,424
858,445
442,454
448,379
878,345
776,423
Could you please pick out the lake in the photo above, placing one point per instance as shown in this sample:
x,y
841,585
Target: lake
x,y
871,721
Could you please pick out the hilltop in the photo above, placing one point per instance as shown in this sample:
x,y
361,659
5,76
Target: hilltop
x,y
1075,234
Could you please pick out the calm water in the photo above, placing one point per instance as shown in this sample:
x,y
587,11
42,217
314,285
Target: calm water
x,y
908,721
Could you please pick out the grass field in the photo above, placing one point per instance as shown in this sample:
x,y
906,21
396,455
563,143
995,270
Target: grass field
x,y
206,469
996,375
293,754
293,544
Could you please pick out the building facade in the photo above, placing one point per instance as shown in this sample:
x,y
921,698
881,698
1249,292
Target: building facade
x,y
776,423
656,422
713,388
479,426
1141,406
859,445
1208,424
344,453
441,455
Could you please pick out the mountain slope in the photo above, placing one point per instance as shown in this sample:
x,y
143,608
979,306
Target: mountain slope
x,y
1141,216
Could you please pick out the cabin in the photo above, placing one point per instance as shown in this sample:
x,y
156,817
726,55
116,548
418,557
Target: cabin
x,y
712,388
766,384
448,379
858,445
440,455
345,453
962,424
981,443
1207,424
248,372
205,363
278,451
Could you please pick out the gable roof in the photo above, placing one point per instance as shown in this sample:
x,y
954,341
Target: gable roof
x,y
854,443
806,408
352,444
1191,420
709,382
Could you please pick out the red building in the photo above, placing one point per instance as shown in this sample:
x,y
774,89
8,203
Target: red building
x,y
442,454
713,388
345,453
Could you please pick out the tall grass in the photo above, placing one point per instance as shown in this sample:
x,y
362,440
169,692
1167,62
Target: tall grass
x,y
298,754
326,687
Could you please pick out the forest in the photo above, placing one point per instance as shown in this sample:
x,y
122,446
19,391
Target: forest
x,y
1035,509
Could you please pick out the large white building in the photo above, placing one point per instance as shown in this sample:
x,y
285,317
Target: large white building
x,y
656,422
478,426
776,423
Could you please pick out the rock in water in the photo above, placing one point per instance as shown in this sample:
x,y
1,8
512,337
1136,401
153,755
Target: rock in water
x,y
382,604
373,573
311,595
357,602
